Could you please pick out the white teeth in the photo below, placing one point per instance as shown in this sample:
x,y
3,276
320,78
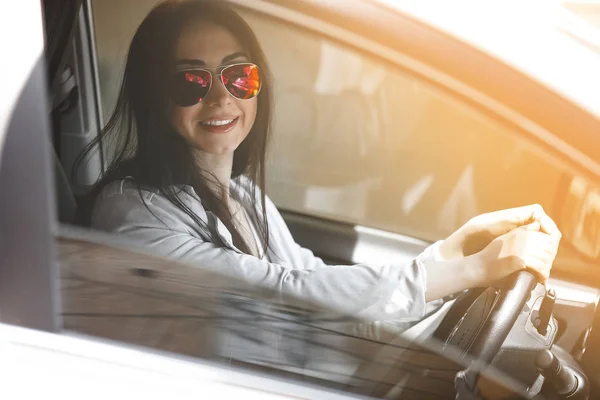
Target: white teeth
x,y
218,123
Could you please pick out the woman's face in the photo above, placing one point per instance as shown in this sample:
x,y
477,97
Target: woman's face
x,y
206,45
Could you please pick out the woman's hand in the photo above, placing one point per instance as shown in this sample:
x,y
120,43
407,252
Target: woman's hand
x,y
492,246
526,247
481,230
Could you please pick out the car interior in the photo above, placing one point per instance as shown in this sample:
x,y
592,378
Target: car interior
x,y
545,342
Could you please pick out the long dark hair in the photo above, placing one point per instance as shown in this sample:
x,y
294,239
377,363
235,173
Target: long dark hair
x,y
144,143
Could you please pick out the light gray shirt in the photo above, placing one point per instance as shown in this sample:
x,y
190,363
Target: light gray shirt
x,y
390,295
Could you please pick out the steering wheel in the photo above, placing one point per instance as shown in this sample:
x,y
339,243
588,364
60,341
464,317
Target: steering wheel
x,y
482,337
466,327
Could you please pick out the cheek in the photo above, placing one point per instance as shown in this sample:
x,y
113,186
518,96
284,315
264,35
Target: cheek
x,y
249,108
181,119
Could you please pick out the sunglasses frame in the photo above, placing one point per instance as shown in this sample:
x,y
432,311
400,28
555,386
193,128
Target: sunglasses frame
x,y
220,68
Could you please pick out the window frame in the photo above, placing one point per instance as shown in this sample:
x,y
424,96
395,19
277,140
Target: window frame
x,y
29,295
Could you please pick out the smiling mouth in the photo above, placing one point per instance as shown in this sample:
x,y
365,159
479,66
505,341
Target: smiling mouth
x,y
218,122
219,126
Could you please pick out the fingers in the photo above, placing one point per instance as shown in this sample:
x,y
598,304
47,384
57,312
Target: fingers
x,y
533,226
523,248
523,215
537,252
500,222
517,238
526,215
535,212
546,223
540,269
547,247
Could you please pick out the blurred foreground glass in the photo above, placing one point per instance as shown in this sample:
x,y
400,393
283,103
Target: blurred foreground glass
x,y
111,291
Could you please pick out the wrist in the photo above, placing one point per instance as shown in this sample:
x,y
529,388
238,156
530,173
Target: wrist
x,y
445,251
452,247
452,276
476,270
434,251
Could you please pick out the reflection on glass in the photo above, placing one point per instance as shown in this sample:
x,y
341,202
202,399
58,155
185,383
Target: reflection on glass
x,y
363,142
163,304
581,216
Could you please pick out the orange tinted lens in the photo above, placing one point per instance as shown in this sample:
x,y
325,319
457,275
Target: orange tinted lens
x,y
242,81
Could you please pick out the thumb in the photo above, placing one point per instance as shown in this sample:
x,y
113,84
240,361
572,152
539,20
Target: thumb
x,y
534,226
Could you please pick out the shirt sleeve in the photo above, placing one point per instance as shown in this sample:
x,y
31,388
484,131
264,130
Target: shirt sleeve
x,y
394,291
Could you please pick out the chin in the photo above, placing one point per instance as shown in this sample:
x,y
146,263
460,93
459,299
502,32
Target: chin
x,y
218,149
219,145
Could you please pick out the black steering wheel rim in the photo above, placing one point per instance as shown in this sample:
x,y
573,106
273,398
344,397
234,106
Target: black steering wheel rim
x,y
512,296
514,292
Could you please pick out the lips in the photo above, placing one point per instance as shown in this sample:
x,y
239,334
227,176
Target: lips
x,y
219,124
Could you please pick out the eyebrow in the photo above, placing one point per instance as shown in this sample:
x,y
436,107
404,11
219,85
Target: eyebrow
x,y
200,63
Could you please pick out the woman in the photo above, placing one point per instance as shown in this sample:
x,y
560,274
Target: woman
x,y
191,126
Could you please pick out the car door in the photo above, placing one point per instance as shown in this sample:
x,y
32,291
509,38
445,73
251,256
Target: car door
x,y
386,140
26,204
380,145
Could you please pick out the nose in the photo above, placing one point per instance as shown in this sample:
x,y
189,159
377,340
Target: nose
x,y
217,96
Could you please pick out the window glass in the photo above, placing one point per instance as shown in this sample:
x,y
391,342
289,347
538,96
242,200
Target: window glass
x,y
354,139
358,140
117,292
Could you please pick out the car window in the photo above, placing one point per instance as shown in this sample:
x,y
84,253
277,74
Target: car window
x,y
355,139
116,290
359,140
